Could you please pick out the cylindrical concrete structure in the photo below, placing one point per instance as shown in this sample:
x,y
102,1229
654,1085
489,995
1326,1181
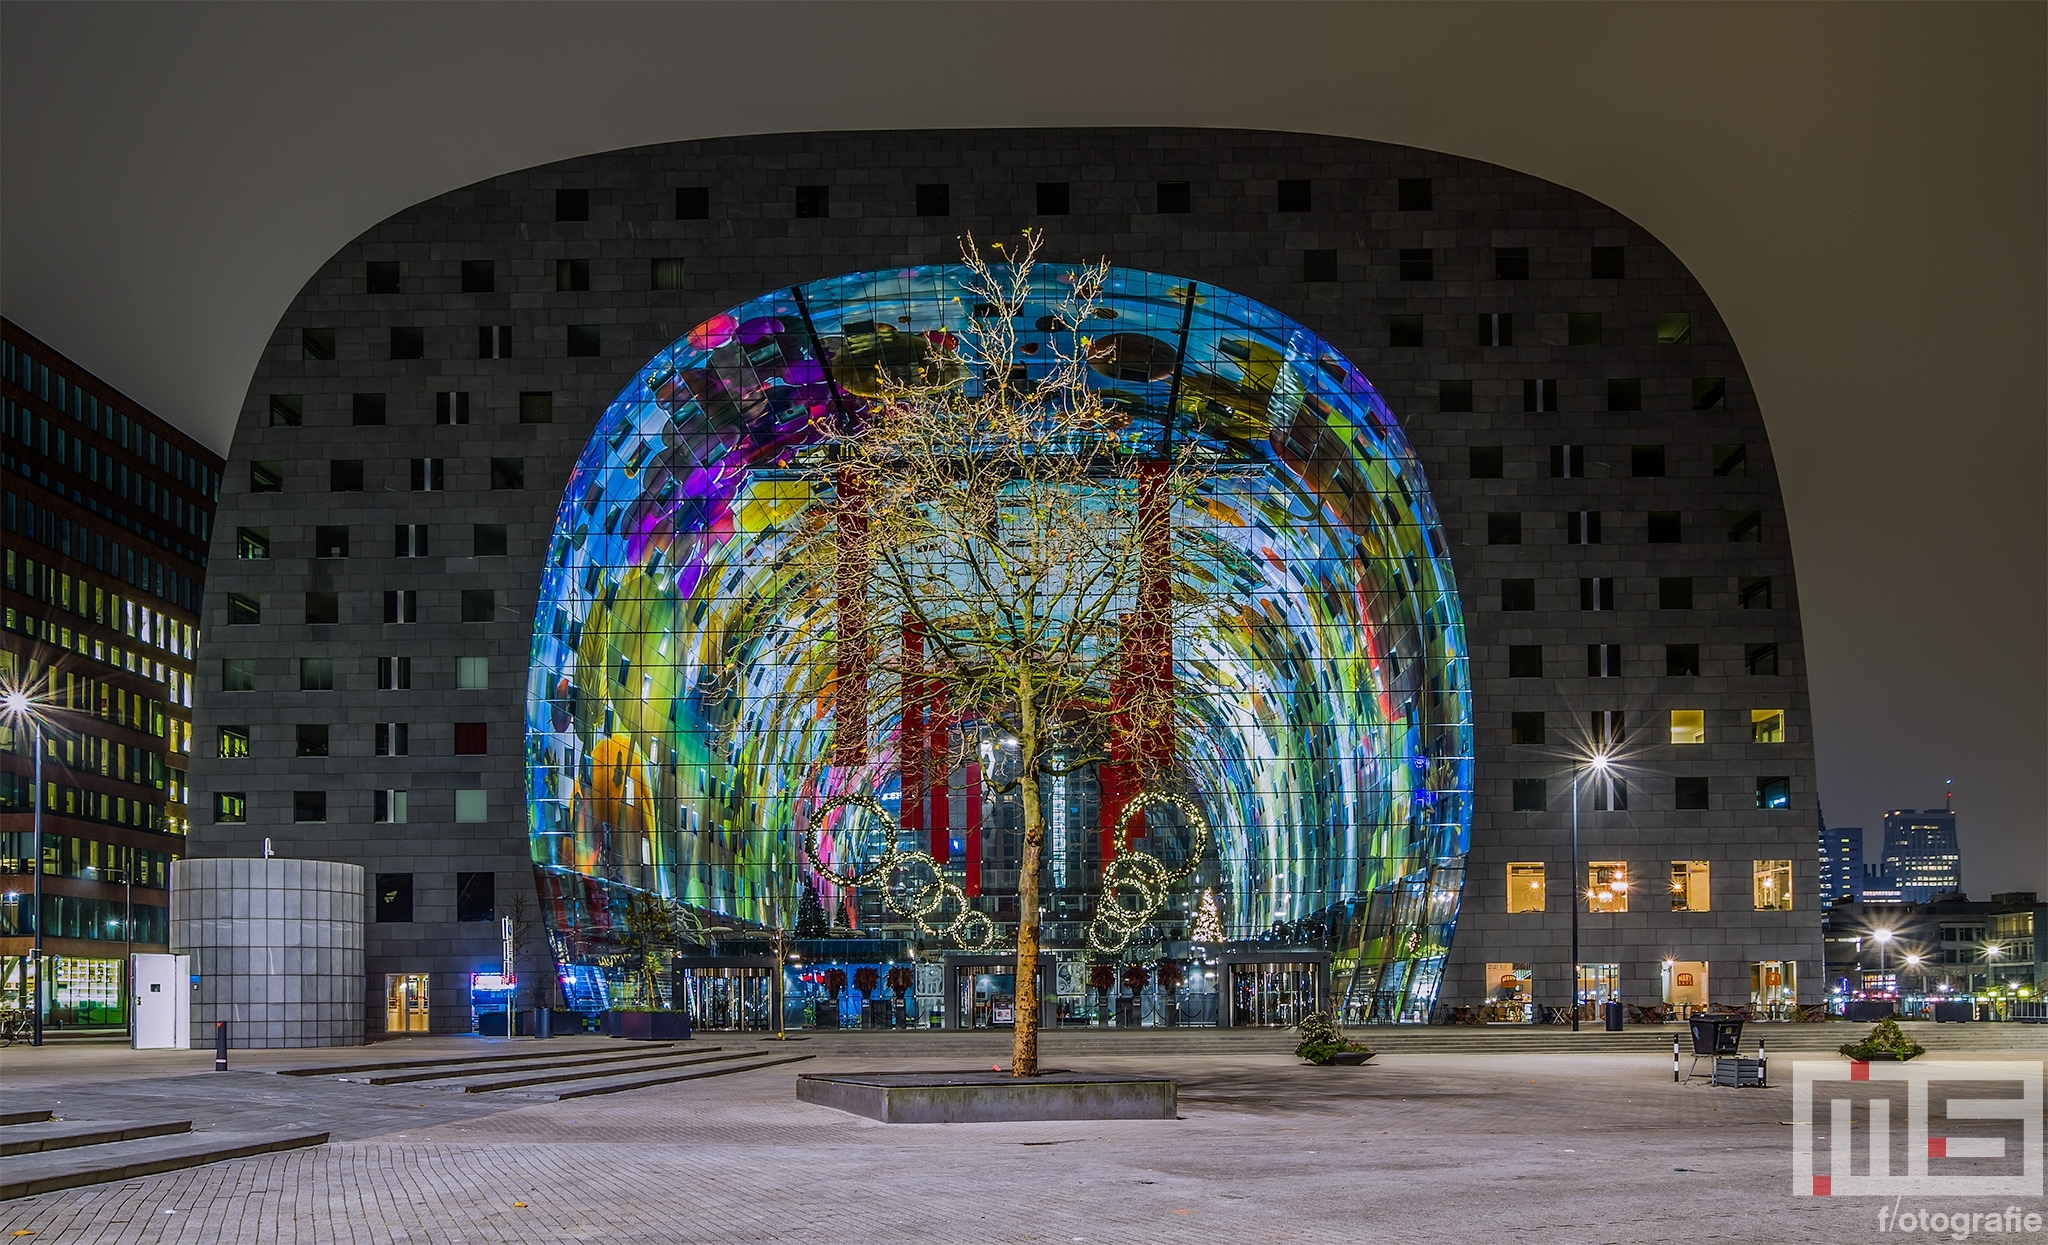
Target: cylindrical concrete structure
x,y
276,946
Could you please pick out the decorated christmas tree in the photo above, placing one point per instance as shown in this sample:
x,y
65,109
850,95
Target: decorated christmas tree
x,y
1208,920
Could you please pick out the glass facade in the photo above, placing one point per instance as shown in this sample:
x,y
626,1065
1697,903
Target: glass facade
x,y
677,742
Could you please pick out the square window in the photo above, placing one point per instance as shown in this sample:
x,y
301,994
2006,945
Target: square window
x,y
572,276
393,739
345,475
1418,264
1525,728
1175,198
1646,461
934,199
665,274
479,276
1674,592
230,808
1760,658
1497,328
508,473
451,409
244,609
394,674
493,341
1539,395
479,605
309,806
238,674
487,540
584,341
472,739
536,408
1665,527
266,477
1731,460
1767,726
1746,527
394,898
234,742
1690,793
1529,795
1582,527
471,805
1674,328
1608,263
1485,462
1518,594
693,203
1607,729
312,737
287,410
1606,886
1709,393
1525,661
1322,266
408,343
1582,328
1603,661
1414,194
813,202
1773,885
571,205
1402,330
1511,263
1504,528
1689,888
428,475
1525,886
1454,395
323,607
472,674
1688,726
380,276
1754,592
475,896
1682,661
316,674
388,807
1596,593
1053,199
366,410
316,345
1624,395
409,540
330,541
402,606
1294,194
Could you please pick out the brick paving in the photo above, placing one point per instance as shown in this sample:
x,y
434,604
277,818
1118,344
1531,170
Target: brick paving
x,y
1417,1147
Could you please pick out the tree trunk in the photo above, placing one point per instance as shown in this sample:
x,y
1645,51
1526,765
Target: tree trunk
x,y
1024,1051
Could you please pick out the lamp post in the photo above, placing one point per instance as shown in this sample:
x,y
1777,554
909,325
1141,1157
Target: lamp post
x,y
1882,936
18,706
1598,764
127,945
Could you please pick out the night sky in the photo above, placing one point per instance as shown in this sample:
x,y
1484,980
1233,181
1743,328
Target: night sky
x,y
1859,188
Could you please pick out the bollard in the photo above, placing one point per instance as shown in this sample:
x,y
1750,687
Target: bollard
x,y
1763,1066
1674,1058
220,1046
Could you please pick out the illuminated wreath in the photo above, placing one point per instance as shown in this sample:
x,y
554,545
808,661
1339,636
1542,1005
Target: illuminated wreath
x,y
871,806
1135,885
912,882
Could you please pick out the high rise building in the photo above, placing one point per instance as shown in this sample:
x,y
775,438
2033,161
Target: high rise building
x,y
1920,854
107,510
1841,863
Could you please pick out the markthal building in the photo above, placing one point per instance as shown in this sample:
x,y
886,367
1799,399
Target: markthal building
x,y
1471,492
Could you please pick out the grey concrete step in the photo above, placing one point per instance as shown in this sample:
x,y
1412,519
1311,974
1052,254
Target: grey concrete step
x,y
528,1052
579,1060
622,1084
70,1134
9,1118
585,1072
124,1160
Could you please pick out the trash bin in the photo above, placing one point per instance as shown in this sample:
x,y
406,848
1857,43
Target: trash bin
x,y
1716,1034
1611,1012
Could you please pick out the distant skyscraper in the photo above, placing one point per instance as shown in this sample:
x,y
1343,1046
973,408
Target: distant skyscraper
x,y
1920,854
1841,863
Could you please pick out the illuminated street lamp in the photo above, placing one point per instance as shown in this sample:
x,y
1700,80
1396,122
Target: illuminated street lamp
x,y
19,707
1883,936
1913,962
1598,764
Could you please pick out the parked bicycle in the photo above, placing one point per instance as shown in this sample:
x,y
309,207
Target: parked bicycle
x,y
14,1025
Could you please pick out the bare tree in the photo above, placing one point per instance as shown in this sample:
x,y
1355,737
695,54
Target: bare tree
x,y
1002,550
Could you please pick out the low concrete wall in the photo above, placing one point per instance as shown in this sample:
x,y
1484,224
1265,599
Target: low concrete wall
x,y
989,1098
277,946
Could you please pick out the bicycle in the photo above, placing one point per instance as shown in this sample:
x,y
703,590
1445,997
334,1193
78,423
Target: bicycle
x,y
13,1025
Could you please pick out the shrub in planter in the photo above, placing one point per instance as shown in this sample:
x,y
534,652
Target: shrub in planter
x,y
1321,1041
1886,1041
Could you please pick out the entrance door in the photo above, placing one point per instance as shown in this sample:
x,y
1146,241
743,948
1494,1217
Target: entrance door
x,y
162,1002
736,999
1685,986
1773,989
405,1002
1510,999
988,996
1273,995
1598,983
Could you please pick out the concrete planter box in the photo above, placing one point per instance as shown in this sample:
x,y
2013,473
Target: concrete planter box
x,y
989,1097
647,1026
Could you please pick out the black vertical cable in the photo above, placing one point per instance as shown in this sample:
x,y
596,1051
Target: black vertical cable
x,y
1180,359
818,352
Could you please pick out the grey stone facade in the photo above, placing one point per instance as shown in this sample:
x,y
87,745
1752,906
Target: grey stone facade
x,y
277,946
1236,236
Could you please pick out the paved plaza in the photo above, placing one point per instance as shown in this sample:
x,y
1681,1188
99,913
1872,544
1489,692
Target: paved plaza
x,y
1595,1146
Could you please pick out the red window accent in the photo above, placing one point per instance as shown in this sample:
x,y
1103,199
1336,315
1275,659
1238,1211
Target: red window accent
x,y
472,739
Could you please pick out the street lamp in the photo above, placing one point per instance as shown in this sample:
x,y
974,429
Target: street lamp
x,y
20,706
1598,764
1883,936
1913,962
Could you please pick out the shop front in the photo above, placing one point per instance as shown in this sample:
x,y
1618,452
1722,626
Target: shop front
x,y
1272,989
728,993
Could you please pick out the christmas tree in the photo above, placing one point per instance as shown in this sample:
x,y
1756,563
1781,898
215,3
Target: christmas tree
x,y
810,915
1208,920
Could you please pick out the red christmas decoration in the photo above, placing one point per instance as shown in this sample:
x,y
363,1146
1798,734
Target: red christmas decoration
x,y
865,979
835,981
1136,977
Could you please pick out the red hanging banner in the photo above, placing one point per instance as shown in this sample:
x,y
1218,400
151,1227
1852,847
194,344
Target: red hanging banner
x,y
910,742
973,836
937,765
